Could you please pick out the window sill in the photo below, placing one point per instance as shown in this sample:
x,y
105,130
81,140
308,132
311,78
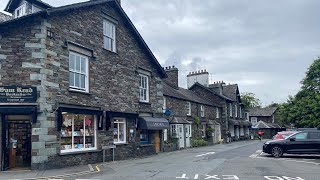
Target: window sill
x,y
142,102
115,53
118,144
146,145
79,91
79,152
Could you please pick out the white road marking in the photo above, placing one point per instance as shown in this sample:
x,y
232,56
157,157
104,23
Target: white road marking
x,y
184,176
90,167
204,154
259,151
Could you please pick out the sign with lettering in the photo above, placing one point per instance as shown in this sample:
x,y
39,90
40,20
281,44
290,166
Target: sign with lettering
x,y
18,94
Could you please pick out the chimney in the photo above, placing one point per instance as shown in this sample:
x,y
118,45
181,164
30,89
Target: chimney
x,y
173,77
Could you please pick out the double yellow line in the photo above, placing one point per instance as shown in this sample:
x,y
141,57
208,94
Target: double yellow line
x,y
68,175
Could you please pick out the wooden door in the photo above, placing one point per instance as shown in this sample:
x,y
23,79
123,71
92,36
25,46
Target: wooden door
x,y
157,141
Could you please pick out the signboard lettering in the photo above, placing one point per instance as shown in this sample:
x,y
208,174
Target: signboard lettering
x,y
18,94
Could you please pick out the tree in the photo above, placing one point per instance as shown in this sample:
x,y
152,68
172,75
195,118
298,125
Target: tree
x,y
249,100
303,110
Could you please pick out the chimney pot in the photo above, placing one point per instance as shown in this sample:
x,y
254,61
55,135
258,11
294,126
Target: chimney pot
x,y
201,71
205,70
169,67
172,66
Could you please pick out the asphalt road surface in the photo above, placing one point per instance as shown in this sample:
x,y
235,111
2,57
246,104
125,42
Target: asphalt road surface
x,y
239,160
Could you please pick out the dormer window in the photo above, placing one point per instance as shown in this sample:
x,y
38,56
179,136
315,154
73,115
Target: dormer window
x,y
21,11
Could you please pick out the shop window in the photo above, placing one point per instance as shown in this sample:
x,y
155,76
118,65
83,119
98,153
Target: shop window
x,y
119,131
78,132
144,136
78,72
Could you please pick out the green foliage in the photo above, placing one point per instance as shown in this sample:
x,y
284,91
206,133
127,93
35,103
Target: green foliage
x,y
196,120
199,142
171,140
209,131
303,110
249,100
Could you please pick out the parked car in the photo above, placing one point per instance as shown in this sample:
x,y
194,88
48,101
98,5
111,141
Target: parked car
x,y
301,142
283,134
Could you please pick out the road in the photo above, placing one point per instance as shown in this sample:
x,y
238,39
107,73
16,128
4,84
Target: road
x,y
239,160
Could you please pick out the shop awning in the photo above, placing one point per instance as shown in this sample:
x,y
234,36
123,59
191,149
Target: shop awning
x,y
152,123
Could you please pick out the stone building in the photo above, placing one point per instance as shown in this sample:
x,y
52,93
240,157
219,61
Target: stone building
x,y
228,97
186,109
265,119
74,80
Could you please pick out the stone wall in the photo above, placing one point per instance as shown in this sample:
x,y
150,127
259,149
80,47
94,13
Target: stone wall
x,y
29,57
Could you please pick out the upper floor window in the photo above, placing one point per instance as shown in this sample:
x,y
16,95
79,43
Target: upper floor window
x,y
236,110
109,36
78,72
144,88
254,120
188,109
230,110
164,107
21,10
217,112
246,116
202,111
240,112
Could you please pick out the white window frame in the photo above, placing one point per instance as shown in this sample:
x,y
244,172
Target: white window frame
x,y
202,111
124,122
236,110
254,120
164,107
230,109
142,88
22,9
84,139
86,74
165,135
111,36
217,113
188,108
203,130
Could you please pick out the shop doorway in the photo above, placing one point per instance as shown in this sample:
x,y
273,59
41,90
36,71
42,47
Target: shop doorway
x,y
157,141
16,142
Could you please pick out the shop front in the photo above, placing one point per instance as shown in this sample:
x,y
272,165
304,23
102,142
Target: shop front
x,y
152,131
18,113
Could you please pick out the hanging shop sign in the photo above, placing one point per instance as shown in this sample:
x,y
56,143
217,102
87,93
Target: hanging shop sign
x,y
18,94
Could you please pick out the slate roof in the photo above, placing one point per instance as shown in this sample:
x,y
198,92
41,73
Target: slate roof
x,y
185,94
264,125
210,90
54,10
179,120
267,111
12,4
230,91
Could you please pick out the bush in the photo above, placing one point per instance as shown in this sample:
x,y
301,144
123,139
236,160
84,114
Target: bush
x,y
199,142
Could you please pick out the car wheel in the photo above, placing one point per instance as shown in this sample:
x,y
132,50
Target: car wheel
x,y
276,151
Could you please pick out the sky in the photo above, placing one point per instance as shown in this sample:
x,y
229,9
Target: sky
x,y
264,46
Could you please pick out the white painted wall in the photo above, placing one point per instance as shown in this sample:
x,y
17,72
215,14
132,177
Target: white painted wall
x,y
200,78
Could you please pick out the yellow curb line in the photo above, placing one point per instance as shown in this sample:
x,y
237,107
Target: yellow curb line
x,y
68,175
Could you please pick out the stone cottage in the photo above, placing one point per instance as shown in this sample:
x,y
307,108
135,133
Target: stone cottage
x,y
75,80
191,116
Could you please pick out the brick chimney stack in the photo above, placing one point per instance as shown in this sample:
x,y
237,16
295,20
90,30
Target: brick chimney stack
x,y
172,78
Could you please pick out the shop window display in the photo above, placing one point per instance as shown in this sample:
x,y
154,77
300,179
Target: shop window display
x,y
119,131
78,132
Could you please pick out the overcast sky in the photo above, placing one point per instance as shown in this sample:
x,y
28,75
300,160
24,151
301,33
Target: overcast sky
x,y
263,46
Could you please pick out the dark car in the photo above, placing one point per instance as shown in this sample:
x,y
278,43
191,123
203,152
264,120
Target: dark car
x,y
303,142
